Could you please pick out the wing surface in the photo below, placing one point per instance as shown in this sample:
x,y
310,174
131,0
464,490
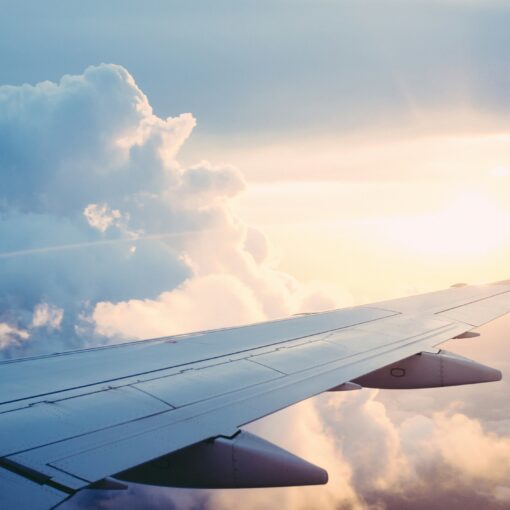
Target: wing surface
x,y
69,420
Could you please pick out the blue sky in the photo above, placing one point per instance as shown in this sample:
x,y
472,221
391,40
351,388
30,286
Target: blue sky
x,y
267,68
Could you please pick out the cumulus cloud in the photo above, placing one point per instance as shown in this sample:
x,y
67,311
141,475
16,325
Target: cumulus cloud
x,y
216,296
86,163
10,335
46,315
100,216
83,139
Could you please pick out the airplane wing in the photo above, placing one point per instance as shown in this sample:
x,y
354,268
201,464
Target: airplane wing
x,y
170,411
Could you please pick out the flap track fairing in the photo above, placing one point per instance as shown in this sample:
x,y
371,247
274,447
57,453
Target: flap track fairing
x,y
429,370
243,461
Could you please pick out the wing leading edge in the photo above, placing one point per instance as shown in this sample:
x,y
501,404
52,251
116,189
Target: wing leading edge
x,y
69,421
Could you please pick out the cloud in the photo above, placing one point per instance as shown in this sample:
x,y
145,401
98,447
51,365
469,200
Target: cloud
x,y
463,445
100,216
221,299
10,335
83,140
203,184
88,166
46,315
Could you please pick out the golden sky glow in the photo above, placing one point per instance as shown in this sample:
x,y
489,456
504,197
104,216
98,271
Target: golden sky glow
x,y
439,215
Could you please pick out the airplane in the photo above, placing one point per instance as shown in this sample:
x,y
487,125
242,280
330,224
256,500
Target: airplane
x,y
170,411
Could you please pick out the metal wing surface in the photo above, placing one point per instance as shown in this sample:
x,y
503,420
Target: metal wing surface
x,y
70,420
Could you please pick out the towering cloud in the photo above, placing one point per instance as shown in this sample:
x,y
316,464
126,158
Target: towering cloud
x,y
105,235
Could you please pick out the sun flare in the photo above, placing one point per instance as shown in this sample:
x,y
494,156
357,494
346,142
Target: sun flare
x,y
471,225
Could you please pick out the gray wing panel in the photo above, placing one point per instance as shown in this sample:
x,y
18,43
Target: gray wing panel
x,y
197,385
439,301
480,312
20,493
45,375
108,451
48,422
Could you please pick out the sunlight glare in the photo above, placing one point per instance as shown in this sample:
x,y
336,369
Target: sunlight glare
x,y
472,225
499,171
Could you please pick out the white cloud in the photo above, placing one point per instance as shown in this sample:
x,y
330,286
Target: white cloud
x,y
10,335
87,139
100,216
46,315
89,163
465,446
198,304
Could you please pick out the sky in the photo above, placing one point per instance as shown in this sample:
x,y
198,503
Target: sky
x,y
288,157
